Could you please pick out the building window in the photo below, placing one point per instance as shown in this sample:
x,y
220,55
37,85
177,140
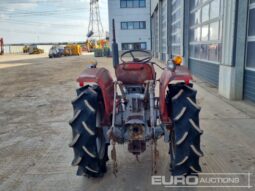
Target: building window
x,y
131,25
250,63
206,30
132,3
134,46
177,27
124,26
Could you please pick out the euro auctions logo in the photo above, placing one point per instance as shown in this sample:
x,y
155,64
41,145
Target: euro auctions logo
x,y
205,180
175,180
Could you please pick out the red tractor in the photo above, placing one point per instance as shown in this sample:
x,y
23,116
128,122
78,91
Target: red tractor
x,y
127,111
1,46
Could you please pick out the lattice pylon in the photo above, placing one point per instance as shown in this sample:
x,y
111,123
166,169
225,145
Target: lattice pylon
x,y
95,23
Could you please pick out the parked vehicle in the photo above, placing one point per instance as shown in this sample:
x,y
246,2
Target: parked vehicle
x,y
56,51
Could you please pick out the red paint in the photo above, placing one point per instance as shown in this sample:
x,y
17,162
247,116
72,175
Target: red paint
x,y
81,84
102,77
1,46
181,74
135,73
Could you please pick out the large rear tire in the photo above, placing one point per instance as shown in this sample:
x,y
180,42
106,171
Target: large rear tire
x,y
89,144
184,148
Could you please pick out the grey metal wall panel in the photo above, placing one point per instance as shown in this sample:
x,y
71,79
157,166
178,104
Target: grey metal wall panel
x,y
249,85
153,31
163,27
206,71
157,33
164,57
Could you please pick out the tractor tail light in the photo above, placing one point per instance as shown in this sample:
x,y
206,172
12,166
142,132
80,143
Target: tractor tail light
x,y
81,84
177,60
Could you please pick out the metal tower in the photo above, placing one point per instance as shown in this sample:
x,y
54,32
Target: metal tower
x,y
95,28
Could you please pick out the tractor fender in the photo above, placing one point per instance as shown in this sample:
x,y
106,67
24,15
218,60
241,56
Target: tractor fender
x,y
102,77
181,74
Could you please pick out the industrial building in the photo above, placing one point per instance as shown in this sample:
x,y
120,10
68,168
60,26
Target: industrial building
x,y
215,37
132,23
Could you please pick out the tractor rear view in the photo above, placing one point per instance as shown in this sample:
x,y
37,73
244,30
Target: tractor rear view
x,y
108,112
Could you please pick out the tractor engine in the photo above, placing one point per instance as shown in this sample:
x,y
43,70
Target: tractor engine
x,y
132,119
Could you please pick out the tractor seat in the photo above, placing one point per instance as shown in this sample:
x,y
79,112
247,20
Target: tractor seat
x,y
135,73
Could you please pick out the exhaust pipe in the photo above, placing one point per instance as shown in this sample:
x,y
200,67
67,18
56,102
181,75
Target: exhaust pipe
x,y
115,49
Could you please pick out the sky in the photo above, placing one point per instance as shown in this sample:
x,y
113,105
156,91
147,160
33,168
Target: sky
x,y
33,21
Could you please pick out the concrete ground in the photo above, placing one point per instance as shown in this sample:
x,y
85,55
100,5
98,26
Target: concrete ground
x,y
35,96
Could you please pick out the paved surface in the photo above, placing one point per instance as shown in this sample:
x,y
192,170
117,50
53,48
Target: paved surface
x,y
35,96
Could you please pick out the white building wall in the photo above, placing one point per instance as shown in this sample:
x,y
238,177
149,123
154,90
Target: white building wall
x,y
129,14
17,49
13,49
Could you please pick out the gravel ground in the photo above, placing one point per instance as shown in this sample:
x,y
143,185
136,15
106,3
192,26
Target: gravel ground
x,y
35,96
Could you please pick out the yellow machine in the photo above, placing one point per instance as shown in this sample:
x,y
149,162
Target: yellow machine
x,y
26,49
90,45
73,50
102,44
33,49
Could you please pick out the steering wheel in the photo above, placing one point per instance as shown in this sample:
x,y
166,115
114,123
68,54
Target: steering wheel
x,y
137,60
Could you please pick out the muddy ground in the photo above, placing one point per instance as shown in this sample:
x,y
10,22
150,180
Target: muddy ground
x,y
35,96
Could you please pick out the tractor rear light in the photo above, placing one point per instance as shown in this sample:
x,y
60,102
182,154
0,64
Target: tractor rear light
x,y
177,60
81,84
